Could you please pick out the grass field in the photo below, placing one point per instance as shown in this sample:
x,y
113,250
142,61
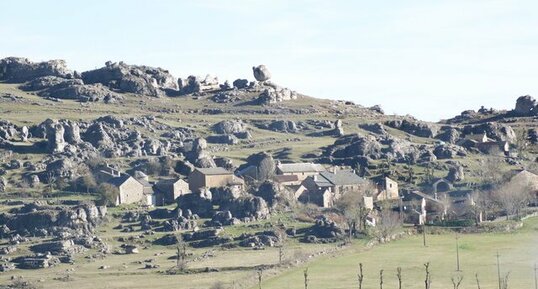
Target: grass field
x,y
518,254
237,268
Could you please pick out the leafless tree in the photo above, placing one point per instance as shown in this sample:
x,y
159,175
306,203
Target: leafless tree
x,y
260,277
181,248
387,224
477,281
428,279
109,194
490,175
456,281
305,274
399,276
352,207
360,276
513,197
504,281
381,279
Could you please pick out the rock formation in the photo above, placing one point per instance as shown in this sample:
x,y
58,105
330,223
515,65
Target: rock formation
x,y
261,73
18,70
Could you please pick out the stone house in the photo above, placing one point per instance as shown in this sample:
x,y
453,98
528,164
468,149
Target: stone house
x,y
327,187
387,189
301,170
213,178
169,190
130,190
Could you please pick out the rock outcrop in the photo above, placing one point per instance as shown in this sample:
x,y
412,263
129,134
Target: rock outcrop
x,y
18,69
136,79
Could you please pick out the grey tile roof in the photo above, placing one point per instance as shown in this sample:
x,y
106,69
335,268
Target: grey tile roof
x,y
118,181
214,171
339,178
300,167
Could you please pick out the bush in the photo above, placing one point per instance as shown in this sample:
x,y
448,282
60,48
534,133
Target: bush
x,y
109,194
455,223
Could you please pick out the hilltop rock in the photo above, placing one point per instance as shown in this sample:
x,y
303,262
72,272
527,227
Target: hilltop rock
x,y
195,84
18,69
132,78
261,73
526,106
240,83
376,128
494,130
275,95
450,135
413,127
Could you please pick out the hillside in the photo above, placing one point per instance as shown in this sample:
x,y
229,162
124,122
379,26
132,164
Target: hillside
x,y
85,156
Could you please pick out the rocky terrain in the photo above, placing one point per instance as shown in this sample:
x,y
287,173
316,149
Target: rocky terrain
x,y
57,126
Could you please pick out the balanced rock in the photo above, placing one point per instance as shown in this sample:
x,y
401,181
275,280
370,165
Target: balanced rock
x,y
261,73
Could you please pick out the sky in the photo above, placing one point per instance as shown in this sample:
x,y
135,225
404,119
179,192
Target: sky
x,y
430,59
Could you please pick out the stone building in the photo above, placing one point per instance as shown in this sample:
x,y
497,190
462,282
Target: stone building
x,y
129,189
387,190
169,190
301,170
327,187
213,178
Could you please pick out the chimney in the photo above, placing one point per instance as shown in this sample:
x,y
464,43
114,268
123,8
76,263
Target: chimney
x,y
315,178
334,170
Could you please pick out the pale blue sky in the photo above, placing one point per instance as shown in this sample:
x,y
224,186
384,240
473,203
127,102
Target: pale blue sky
x,y
431,59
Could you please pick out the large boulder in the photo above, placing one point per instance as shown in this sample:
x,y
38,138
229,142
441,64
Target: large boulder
x,y
494,130
247,207
55,137
132,78
413,127
525,106
455,173
261,73
3,184
18,70
271,95
230,127
450,135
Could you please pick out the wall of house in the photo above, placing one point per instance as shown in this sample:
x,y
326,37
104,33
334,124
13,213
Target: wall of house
x,y
389,190
301,176
180,188
131,191
215,181
196,181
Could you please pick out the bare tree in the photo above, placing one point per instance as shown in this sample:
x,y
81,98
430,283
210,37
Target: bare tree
x,y
260,277
477,281
456,281
490,175
305,274
360,276
352,206
513,197
109,194
399,276
428,279
381,279
181,255
388,223
504,281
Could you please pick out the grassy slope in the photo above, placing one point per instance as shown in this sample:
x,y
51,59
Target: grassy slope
x,y
477,254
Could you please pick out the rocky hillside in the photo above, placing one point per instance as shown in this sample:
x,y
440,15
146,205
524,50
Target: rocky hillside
x,y
56,122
